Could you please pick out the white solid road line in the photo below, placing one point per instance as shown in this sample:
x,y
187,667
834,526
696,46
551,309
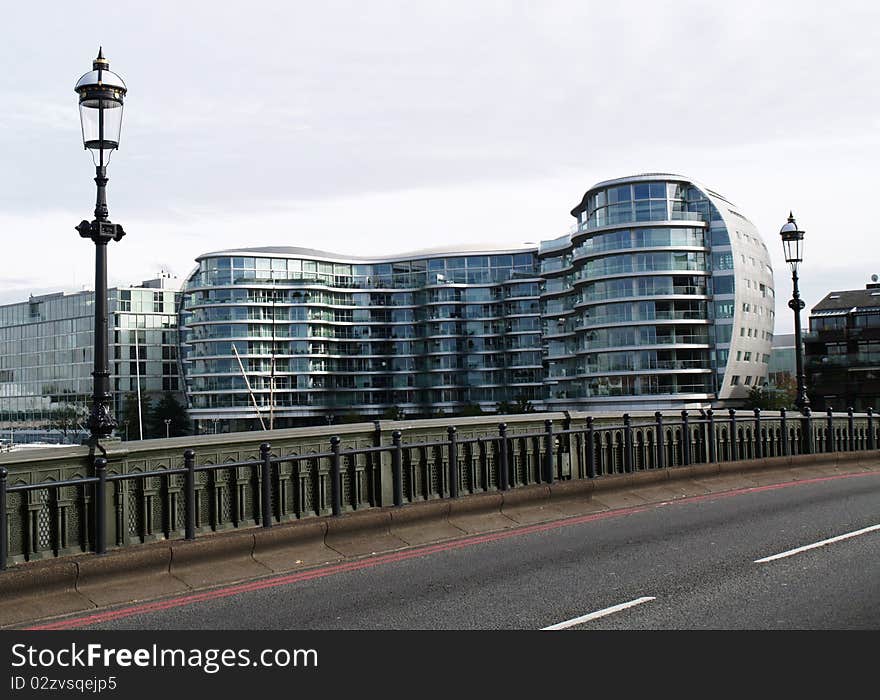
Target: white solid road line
x,y
597,614
818,544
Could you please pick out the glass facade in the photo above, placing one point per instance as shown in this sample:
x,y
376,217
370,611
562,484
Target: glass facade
x,y
46,353
295,333
642,297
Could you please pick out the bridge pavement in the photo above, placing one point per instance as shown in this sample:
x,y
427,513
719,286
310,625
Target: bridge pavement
x,y
49,588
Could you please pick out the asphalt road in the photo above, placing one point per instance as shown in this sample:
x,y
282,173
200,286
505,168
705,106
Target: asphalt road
x,y
682,565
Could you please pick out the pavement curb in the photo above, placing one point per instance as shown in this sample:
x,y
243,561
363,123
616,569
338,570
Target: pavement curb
x,y
195,562
129,574
56,582
478,513
293,545
359,533
423,522
530,504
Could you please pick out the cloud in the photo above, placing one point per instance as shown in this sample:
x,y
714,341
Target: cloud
x,y
388,126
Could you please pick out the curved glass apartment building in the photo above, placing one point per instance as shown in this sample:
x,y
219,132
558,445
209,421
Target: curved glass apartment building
x,y
660,297
287,334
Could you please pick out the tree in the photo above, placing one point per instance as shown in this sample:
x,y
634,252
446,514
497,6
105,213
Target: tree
x,y
68,417
504,407
129,426
769,398
522,405
351,417
757,397
393,413
472,409
168,408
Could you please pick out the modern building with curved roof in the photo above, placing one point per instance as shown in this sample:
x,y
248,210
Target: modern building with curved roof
x,y
282,335
660,297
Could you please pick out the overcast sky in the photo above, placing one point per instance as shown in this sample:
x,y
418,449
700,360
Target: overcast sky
x,y
382,127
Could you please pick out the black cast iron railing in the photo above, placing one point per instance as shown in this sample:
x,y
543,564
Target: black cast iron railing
x,y
180,502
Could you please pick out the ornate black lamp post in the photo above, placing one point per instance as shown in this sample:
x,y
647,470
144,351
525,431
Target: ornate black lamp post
x,y
101,93
793,244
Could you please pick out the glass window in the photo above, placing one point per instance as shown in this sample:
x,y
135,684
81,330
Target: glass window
x,y
724,309
658,211
642,191
859,321
619,194
719,236
722,261
658,190
723,284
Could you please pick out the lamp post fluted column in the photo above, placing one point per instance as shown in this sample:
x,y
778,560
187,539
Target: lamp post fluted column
x,y
796,304
101,231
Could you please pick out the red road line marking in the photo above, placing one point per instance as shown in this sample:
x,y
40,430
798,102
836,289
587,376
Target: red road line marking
x,y
393,557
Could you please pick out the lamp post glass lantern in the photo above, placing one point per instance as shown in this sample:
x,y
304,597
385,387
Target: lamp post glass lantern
x,y
101,94
793,246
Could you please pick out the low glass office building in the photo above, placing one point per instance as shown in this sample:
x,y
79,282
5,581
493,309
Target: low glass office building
x,y
661,296
279,336
46,354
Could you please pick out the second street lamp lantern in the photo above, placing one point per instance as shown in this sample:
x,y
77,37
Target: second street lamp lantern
x,y
792,243
101,94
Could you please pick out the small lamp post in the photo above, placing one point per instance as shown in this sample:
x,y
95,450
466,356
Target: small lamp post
x,y
793,245
101,93
167,427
